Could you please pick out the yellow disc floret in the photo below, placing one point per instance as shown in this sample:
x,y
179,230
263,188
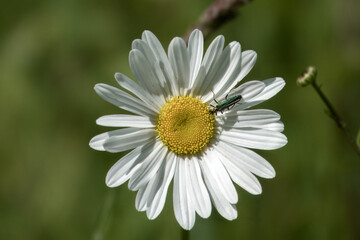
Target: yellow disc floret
x,y
185,125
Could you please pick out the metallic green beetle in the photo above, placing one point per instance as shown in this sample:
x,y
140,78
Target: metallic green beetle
x,y
226,104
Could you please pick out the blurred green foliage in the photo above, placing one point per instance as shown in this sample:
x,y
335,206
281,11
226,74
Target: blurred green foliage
x,y
52,53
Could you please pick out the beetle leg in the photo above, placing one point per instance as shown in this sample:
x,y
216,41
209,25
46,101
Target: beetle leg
x,y
214,96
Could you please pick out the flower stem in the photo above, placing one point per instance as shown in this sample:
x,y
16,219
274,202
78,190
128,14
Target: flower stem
x,y
185,234
335,116
105,216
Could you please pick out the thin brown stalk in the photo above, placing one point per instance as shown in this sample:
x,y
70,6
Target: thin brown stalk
x,y
217,14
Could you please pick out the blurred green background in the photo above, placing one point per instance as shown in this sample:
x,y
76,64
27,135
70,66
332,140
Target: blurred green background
x,y
52,53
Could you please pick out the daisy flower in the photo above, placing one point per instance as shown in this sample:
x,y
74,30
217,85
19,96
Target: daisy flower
x,y
173,133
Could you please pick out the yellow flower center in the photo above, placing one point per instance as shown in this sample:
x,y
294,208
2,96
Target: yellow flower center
x,y
185,125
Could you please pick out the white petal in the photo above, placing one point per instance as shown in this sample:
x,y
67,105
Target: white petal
x,y
248,90
229,79
239,175
201,195
122,99
155,46
218,177
123,169
215,73
247,159
149,167
272,87
146,193
212,54
248,60
179,59
138,91
144,73
162,59
275,126
198,81
140,200
128,138
195,49
183,207
222,76
171,80
223,206
123,120
153,188
256,118
143,47
165,176
237,71
97,142
254,138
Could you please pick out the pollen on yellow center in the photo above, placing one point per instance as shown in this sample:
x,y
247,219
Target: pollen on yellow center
x,y
185,125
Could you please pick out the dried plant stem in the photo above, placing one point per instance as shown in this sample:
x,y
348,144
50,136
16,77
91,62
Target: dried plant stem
x,y
218,13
